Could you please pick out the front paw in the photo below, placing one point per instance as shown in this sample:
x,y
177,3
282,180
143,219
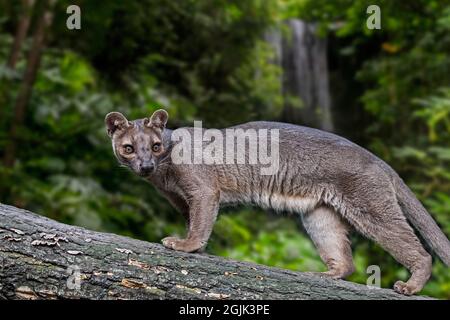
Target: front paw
x,y
405,288
185,245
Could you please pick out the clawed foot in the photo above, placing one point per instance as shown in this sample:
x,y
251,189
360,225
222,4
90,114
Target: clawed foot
x,y
185,245
405,288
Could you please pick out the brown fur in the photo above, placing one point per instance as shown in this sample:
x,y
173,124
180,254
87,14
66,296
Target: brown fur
x,y
331,182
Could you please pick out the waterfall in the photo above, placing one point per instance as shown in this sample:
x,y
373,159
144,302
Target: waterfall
x,y
302,55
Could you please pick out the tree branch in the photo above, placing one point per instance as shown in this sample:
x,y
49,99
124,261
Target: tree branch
x,y
21,32
44,259
23,97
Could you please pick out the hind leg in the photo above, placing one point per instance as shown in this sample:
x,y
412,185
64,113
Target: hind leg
x,y
391,230
329,232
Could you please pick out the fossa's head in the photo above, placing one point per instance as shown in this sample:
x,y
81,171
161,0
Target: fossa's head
x,y
138,144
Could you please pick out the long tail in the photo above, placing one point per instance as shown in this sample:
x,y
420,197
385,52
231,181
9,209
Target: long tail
x,y
422,221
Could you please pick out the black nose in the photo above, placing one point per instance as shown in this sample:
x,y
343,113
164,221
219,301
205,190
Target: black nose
x,y
146,168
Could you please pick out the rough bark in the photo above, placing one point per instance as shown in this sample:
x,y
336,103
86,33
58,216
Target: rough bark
x,y
43,259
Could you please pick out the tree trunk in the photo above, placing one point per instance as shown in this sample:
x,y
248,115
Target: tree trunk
x,y
44,259
21,32
24,94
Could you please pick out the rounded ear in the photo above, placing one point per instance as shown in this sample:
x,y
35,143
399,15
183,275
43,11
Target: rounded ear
x,y
115,121
158,119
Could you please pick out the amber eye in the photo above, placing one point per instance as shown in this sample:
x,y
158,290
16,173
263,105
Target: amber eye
x,y
128,149
156,147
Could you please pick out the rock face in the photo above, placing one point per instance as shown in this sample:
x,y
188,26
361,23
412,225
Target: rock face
x,y
44,259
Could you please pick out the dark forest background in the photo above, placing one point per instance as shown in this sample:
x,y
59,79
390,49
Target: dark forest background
x,y
309,62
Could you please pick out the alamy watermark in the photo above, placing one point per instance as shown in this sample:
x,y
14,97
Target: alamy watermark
x,y
74,280
232,146
374,20
74,20
374,280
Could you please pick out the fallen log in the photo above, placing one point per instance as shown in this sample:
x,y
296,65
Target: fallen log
x,y
44,259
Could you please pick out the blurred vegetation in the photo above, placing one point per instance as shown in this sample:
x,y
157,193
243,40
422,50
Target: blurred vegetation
x,y
208,60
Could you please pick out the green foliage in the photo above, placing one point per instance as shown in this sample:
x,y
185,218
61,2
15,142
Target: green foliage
x,y
406,93
207,60
274,241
